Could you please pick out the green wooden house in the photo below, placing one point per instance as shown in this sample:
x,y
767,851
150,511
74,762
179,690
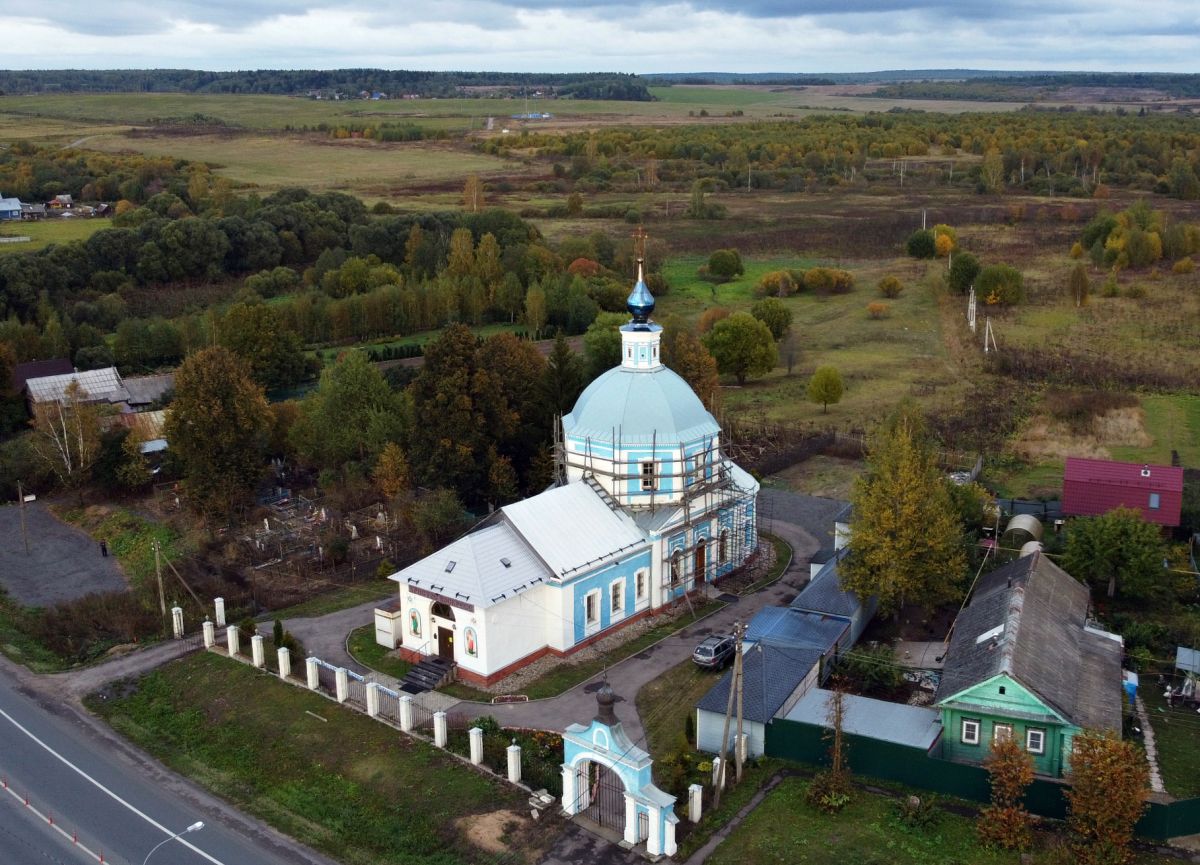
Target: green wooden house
x,y
1023,662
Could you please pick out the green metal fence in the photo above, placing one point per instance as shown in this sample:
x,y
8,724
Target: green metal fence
x,y
806,743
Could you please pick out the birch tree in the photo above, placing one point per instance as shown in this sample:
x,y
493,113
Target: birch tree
x,y
67,435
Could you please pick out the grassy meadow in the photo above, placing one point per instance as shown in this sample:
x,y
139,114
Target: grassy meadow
x,y
44,232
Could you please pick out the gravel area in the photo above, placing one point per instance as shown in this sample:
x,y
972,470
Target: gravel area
x,y
63,563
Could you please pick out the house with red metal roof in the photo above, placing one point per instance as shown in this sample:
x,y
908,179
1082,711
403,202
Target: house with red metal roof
x,y
1094,487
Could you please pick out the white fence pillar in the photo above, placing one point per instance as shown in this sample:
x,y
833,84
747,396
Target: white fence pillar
x,y
439,729
654,838
256,651
285,661
219,603
631,821
314,674
570,805
406,713
695,802
177,622
210,634
341,684
232,640
476,745
372,699
669,847
514,763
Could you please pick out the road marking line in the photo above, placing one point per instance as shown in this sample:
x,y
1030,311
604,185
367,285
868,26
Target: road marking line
x,y
113,795
50,822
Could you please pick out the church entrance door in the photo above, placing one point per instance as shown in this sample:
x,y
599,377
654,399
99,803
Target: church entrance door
x,y
605,795
446,644
701,561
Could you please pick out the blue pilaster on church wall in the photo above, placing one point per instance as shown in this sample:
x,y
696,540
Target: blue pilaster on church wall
x,y
601,579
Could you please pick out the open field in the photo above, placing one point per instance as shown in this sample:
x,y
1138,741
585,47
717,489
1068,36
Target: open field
x,y
44,232
372,169
334,779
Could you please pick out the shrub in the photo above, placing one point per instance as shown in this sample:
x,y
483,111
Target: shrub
x,y
772,312
877,309
725,264
963,271
918,812
890,286
921,244
1111,287
710,317
779,283
828,280
1001,284
1077,250
1184,265
1135,291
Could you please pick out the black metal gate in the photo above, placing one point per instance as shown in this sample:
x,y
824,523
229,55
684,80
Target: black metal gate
x,y
605,796
327,679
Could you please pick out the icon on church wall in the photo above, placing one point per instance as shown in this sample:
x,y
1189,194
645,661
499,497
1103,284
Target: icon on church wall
x,y
414,622
472,643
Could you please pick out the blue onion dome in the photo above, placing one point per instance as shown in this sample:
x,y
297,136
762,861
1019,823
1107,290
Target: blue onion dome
x,y
640,302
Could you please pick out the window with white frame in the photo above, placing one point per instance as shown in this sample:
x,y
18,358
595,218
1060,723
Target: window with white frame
x,y
591,608
617,597
1035,741
970,731
1155,501
641,584
1001,732
649,476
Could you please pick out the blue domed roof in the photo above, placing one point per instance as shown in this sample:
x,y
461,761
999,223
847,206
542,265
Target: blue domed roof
x,y
640,406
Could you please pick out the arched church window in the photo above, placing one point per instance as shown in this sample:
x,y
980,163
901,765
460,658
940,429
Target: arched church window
x,y
676,567
442,611
723,546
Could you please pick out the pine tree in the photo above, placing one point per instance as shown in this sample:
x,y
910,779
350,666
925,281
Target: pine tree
x,y
905,537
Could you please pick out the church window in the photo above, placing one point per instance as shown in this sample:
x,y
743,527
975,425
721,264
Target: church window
x,y
442,611
676,567
700,460
649,477
723,547
617,599
640,585
591,607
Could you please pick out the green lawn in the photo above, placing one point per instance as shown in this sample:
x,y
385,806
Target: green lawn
x,y
363,648
785,830
1173,421
566,675
1030,481
44,232
17,644
1177,736
665,704
334,779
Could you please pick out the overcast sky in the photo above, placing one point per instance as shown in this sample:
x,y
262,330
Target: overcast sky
x,y
608,35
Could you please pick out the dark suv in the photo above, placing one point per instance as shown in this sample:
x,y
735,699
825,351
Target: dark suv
x,y
715,652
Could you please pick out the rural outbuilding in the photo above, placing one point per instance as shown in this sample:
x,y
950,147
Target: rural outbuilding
x,y
1094,487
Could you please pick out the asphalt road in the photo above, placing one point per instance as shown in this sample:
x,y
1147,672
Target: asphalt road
x,y
117,801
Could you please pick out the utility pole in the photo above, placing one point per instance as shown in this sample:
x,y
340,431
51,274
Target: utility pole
x,y
734,682
737,743
21,507
162,597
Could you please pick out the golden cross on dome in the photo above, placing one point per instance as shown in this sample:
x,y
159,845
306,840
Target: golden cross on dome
x,y
639,243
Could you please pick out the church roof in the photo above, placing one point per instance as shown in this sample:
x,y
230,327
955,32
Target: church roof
x,y
572,528
640,406
473,569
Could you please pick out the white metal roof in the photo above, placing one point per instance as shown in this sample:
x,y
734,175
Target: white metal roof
x,y
99,385
572,528
473,569
639,406
912,726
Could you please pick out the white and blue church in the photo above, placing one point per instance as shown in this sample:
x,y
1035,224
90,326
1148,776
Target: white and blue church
x,y
646,509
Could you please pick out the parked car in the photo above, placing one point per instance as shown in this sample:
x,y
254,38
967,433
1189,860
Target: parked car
x,y
715,652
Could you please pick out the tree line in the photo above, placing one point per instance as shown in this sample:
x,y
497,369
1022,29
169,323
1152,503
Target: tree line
x,y
287,82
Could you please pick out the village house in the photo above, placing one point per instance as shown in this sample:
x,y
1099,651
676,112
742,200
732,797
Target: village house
x,y
646,509
10,209
1025,663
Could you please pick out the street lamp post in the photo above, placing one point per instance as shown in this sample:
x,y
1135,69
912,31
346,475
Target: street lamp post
x,y
195,827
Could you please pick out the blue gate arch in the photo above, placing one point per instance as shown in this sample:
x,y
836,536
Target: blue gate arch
x,y
649,812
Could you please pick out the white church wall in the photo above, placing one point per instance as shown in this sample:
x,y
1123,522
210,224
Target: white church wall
x,y
518,627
